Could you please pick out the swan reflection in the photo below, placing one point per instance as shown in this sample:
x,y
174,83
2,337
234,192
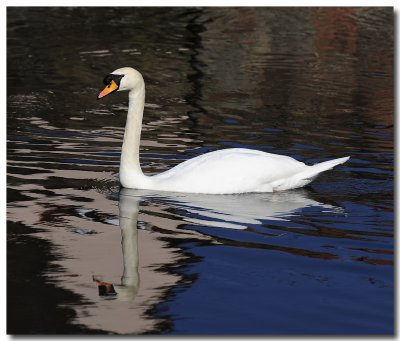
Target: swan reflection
x,y
223,211
232,211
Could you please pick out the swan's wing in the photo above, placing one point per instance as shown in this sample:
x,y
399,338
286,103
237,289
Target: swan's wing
x,y
228,171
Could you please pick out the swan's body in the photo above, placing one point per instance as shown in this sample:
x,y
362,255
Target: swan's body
x,y
228,171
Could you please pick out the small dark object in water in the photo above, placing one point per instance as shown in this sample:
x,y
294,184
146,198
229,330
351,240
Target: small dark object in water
x,y
105,289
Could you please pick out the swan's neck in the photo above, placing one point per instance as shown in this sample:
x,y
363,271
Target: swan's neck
x,y
130,164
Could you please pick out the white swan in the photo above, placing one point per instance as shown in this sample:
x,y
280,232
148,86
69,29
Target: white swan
x,y
228,171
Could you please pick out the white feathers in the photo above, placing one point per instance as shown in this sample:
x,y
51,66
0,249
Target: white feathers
x,y
239,170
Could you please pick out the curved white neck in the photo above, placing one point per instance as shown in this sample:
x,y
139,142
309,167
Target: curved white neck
x,y
130,163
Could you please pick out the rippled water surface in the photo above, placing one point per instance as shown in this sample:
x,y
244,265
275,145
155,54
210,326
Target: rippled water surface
x,y
87,257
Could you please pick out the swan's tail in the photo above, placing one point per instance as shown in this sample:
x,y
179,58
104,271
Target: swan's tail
x,y
314,170
309,174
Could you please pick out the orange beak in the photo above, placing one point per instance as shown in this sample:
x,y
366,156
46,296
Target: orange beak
x,y
108,89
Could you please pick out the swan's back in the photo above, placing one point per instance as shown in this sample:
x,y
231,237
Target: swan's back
x,y
235,170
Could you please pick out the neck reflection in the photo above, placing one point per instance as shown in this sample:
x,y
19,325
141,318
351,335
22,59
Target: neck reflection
x,y
129,286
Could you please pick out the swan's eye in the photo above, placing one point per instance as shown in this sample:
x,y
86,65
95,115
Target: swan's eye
x,y
112,77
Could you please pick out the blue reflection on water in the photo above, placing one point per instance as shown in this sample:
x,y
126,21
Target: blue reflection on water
x,y
246,290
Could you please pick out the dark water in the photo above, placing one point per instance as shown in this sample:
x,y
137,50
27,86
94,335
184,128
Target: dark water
x,y
313,84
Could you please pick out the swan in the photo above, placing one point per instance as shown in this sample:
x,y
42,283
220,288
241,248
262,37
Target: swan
x,y
227,171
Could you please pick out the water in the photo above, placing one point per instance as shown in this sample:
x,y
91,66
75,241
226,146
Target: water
x,y
313,84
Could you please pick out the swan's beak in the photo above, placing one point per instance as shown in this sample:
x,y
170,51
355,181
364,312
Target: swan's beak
x,y
110,88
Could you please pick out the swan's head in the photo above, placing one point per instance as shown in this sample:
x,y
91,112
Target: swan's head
x,y
125,78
